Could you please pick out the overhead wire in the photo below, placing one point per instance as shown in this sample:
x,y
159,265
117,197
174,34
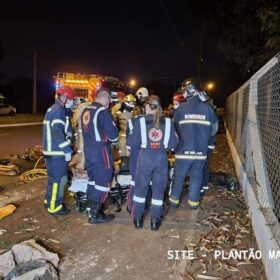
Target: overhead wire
x,y
177,35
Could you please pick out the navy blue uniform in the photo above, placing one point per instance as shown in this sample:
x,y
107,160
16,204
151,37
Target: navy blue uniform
x,y
152,164
57,132
205,180
195,122
133,156
99,132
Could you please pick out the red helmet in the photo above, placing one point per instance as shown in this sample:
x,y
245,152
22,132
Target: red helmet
x,y
178,97
67,91
120,95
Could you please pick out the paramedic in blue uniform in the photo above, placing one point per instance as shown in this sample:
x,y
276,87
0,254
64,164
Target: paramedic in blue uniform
x,y
133,155
57,150
196,122
153,135
99,133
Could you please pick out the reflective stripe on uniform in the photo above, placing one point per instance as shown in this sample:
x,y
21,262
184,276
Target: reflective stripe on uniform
x,y
190,157
157,202
48,132
57,153
97,135
92,183
55,209
139,199
167,132
101,188
56,121
130,125
54,194
66,125
175,201
211,147
205,187
195,121
143,133
193,203
132,183
64,144
113,140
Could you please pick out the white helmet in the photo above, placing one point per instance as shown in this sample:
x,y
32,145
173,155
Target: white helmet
x,y
142,93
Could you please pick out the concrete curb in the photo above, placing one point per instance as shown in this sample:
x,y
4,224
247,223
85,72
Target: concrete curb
x,y
20,124
264,236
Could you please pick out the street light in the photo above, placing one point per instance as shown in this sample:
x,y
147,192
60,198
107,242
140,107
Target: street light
x,y
132,83
210,86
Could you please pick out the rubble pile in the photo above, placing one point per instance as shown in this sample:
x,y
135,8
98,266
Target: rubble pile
x,y
28,261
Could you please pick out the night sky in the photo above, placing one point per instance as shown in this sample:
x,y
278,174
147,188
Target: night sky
x,y
151,41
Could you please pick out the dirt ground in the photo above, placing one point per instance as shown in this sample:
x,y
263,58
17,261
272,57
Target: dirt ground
x,y
118,251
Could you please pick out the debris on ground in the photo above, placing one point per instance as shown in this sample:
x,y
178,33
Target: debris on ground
x,y
8,169
28,260
224,180
31,154
221,251
7,210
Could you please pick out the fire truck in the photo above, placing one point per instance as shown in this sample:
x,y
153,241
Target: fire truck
x,y
84,85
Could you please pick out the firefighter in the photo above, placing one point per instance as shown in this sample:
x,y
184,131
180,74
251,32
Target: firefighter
x,y
99,133
57,150
205,180
141,94
195,122
121,118
153,135
177,99
116,101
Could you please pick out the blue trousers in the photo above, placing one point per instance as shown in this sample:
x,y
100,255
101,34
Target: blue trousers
x,y
184,167
100,172
57,179
151,166
132,170
205,179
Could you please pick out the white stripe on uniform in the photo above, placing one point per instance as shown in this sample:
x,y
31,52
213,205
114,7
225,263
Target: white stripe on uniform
x,y
143,132
167,132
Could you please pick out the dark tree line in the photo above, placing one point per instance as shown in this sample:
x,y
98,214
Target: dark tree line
x,y
249,31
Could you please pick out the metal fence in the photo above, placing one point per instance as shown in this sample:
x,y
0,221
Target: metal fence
x,y
252,118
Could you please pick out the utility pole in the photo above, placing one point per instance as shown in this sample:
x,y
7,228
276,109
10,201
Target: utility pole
x,y
34,107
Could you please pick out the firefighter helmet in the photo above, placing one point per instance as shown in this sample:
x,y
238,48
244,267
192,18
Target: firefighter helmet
x,y
179,97
191,87
120,95
142,93
129,101
67,91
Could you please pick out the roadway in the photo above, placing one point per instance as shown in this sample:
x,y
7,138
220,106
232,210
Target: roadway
x,y
14,140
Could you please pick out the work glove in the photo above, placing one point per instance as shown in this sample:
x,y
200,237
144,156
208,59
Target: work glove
x,y
68,157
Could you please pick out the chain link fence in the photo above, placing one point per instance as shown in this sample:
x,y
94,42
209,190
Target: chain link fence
x,y
252,118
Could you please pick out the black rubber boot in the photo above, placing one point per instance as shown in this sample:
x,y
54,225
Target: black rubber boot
x,y
62,212
155,224
96,216
138,223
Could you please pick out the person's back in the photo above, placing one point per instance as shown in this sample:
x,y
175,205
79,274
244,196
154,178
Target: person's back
x,y
193,121
153,135
99,132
